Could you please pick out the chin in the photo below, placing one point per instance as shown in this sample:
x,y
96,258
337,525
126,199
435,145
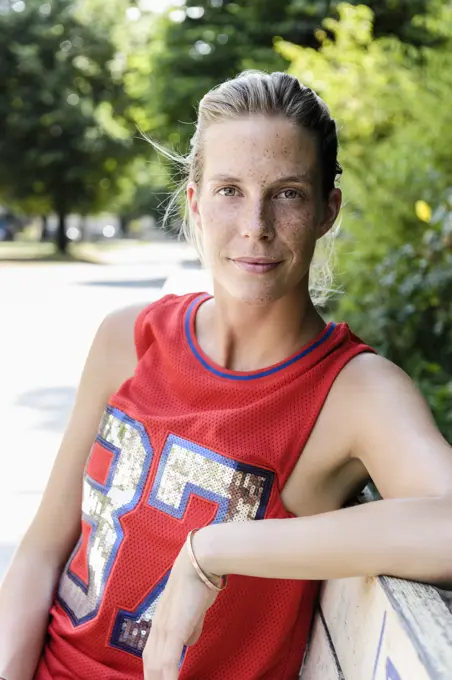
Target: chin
x,y
257,295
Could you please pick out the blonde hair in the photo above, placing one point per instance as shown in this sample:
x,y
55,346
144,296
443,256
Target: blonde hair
x,y
257,92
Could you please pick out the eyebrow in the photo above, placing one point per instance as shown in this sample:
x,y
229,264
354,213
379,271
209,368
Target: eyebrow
x,y
304,178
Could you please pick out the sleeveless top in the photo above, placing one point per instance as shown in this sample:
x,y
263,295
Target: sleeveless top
x,y
184,443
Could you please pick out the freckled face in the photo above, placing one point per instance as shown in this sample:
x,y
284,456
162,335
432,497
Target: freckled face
x,y
258,207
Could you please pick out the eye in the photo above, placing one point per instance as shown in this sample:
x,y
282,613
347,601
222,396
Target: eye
x,y
228,192
289,194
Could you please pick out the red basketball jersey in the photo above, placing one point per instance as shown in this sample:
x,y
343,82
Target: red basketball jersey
x,y
182,444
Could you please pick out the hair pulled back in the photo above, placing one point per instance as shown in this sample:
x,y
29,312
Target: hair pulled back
x,y
270,94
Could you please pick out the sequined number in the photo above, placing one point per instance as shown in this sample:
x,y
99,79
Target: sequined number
x,y
240,492
103,506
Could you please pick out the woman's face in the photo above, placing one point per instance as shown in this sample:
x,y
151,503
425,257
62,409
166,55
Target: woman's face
x,y
259,207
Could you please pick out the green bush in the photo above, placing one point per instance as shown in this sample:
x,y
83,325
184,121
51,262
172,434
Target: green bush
x,y
394,257
405,312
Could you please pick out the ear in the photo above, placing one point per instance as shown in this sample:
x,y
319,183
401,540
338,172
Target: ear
x,y
330,212
193,202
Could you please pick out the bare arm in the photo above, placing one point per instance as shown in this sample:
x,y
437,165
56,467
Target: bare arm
x,y
27,591
407,538
408,534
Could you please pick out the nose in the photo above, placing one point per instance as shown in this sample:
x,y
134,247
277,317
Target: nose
x,y
258,223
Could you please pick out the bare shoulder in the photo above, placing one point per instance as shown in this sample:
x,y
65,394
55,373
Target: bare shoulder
x,y
367,366
116,340
374,386
368,369
119,325
391,430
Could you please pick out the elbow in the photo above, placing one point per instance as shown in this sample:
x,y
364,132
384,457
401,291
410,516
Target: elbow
x,y
428,523
441,528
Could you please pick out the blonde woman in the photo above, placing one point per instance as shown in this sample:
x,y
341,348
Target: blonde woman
x,y
146,558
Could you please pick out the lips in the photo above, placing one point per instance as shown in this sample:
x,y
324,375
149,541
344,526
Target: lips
x,y
257,260
256,265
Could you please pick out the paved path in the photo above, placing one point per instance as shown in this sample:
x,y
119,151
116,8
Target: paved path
x,y
48,316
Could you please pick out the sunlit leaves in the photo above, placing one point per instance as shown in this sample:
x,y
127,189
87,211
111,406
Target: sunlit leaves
x,y
62,107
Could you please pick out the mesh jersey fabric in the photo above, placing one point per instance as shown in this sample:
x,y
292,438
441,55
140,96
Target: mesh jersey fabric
x,y
184,443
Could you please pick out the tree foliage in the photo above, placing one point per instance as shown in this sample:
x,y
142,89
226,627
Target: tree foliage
x,y
62,108
206,41
80,79
406,311
395,254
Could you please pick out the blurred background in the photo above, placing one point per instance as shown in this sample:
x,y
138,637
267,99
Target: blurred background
x,y
82,194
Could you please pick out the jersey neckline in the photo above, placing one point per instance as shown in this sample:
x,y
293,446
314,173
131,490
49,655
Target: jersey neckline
x,y
221,371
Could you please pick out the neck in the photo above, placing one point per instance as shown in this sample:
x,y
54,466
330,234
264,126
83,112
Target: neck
x,y
243,337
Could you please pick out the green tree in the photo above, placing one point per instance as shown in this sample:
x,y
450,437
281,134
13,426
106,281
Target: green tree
x,y
383,96
204,42
143,189
144,186
394,127
63,111
407,316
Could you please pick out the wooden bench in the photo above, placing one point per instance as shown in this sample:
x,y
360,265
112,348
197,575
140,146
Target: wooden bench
x,y
379,629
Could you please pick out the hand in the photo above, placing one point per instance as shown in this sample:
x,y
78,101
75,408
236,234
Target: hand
x,y
178,620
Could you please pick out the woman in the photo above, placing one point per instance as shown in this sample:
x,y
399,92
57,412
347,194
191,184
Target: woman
x,y
218,410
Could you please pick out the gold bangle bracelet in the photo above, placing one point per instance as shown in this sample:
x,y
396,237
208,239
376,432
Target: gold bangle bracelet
x,y
205,579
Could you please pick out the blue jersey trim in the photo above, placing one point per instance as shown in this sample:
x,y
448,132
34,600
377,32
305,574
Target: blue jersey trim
x,y
259,374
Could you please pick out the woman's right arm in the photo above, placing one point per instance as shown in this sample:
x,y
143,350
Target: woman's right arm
x,y
27,591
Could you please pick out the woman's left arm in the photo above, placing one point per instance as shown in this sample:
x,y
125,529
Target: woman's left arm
x,y
407,534
410,538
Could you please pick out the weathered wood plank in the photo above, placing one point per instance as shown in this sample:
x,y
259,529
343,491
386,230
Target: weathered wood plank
x,y
388,629
381,629
427,621
368,634
320,662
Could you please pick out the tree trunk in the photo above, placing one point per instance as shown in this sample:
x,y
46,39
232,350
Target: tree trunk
x,y
61,236
123,226
82,227
44,228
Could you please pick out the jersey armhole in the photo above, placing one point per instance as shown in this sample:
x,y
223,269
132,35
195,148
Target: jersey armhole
x,y
141,336
143,328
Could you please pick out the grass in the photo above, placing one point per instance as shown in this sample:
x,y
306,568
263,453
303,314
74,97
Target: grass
x,y
28,252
